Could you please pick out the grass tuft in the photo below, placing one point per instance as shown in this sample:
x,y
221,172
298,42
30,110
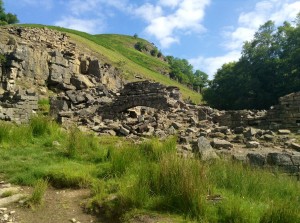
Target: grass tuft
x,y
37,197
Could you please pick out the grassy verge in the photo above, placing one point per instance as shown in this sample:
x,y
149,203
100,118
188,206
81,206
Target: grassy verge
x,y
148,179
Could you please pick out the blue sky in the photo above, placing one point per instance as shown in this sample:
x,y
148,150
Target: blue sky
x,y
208,33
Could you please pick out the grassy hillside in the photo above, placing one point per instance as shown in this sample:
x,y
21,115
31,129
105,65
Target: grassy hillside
x,y
119,51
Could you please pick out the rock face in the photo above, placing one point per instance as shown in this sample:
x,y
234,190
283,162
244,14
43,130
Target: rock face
x,y
42,59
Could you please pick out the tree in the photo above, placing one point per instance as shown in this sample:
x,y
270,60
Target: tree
x,y
8,18
268,69
200,80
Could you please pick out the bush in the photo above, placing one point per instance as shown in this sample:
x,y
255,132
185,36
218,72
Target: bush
x,y
140,46
154,52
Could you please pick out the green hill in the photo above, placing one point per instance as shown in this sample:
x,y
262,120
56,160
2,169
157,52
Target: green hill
x,y
119,50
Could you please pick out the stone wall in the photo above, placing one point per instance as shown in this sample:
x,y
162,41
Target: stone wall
x,y
143,93
19,106
285,115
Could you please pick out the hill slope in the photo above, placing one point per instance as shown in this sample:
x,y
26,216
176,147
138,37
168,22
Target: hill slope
x,y
119,51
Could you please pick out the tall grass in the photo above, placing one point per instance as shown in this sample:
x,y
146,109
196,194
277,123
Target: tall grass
x,y
37,196
79,143
4,131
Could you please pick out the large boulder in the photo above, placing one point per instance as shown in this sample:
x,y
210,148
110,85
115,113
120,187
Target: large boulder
x,y
204,149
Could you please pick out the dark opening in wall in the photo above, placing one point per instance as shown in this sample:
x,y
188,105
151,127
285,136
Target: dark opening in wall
x,y
287,105
298,122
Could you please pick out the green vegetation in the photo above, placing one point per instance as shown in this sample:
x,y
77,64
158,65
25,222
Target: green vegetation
x,y
129,179
7,193
37,196
7,18
267,70
183,72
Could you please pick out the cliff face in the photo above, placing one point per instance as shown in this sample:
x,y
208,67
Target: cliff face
x,y
36,60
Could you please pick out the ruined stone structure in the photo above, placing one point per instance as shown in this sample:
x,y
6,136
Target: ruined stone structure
x,y
143,93
285,115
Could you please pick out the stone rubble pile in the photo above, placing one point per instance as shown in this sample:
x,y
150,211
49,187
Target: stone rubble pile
x,y
43,60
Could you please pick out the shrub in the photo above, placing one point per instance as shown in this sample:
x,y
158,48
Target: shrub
x,y
140,46
154,52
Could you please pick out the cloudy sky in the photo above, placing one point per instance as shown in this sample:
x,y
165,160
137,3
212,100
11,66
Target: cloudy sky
x,y
208,33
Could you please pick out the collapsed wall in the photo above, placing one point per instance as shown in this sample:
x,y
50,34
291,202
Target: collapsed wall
x,y
284,115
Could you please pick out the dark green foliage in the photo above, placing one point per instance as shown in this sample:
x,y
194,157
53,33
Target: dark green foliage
x,y
182,71
135,36
267,70
7,18
141,46
154,52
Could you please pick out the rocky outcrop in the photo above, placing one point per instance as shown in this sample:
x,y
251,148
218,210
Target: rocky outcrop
x,y
41,59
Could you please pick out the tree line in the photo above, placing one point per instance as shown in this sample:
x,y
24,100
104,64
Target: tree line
x,y
183,72
7,18
269,67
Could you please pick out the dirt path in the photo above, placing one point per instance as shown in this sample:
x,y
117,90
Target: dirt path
x,y
59,206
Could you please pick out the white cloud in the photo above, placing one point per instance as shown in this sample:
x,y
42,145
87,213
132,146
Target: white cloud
x,y
248,24
85,25
211,64
169,3
148,11
182,16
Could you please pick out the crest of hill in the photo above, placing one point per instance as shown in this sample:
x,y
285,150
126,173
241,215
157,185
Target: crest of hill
x,y
120,51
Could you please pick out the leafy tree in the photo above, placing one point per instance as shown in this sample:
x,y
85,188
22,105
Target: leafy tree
x,y
8,18
268,68
200,80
